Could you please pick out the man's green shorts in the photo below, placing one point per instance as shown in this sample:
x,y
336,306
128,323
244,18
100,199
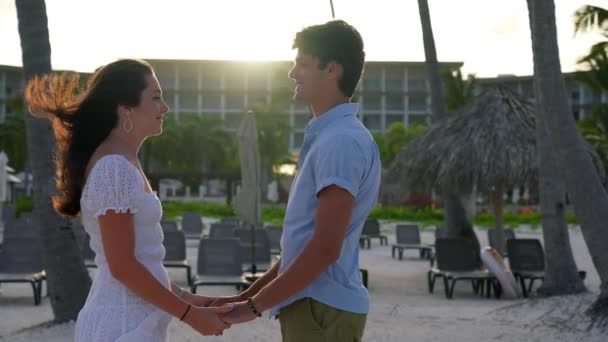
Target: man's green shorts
x,y
308,320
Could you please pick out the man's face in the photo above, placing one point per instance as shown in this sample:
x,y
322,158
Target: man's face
x,y
310,80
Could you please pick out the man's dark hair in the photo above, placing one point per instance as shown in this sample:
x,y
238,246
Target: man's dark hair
x,y
335,41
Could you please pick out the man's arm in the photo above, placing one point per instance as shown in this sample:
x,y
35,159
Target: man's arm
x,y
251,291
259,284
334,211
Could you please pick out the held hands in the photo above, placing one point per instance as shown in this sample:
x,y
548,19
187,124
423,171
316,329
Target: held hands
x,y
221,301
242,313
236,308
198,300
208,321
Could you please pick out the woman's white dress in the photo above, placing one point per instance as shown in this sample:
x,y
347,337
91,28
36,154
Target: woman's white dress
x,y
112,312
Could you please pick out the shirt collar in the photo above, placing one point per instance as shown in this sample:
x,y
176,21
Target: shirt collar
x,y
317,124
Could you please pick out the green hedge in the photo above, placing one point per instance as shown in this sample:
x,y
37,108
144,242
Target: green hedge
x,y
425,217
172,210
24,204
276,215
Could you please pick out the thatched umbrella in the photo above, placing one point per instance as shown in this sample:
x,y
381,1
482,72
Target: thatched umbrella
x,y
489,146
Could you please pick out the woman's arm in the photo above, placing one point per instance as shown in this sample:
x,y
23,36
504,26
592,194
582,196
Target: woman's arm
x,y
118,237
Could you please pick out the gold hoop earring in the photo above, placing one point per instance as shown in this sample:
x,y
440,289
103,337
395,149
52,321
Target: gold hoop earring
x,y
128,124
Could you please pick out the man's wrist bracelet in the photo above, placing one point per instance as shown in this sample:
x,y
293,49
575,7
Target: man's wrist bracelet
x,y
252,307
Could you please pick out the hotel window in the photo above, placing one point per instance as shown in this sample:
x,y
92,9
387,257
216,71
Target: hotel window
x,y
188,77
212,102
166,76
282,85
188,101
257,80
372,80
395,103
417,102
394,80
235,102
234,79
212,79
416,80
372,102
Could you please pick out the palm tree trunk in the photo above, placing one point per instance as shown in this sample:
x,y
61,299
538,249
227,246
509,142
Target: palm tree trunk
x,y
68,281
561,273
455,215
432,66
582,182
499,205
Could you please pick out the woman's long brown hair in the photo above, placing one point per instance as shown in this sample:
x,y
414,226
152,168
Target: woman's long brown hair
x,y
83,120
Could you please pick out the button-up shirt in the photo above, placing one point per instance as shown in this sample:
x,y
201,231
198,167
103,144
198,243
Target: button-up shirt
x,y
337,150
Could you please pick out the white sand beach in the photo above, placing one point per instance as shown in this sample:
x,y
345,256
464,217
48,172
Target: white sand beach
x,y
401,307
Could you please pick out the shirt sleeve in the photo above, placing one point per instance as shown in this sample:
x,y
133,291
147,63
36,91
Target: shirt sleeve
x,y
113,186
341,162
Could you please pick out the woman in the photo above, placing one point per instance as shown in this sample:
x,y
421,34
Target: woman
x,y
99,134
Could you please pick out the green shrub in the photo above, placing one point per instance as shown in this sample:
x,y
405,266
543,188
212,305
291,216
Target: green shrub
x,y
425,217
175,209
23,205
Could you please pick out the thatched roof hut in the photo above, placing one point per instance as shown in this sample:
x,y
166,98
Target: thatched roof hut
x,y
490,142
489,146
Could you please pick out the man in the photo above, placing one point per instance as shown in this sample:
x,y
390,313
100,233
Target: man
x,y
316,288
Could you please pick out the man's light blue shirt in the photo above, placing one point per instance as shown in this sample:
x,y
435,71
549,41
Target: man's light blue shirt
x,y
337,150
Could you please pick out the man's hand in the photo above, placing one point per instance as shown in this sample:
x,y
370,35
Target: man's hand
x,y
241,314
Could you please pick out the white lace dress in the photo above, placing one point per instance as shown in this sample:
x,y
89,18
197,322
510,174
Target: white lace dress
x,y
112,312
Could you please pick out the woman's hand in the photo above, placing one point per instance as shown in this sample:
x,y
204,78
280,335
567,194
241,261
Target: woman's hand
x,y
208,321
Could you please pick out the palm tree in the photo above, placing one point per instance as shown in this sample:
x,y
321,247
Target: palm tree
x,y
67,279
588,18
456,218
582,182
595,77
273,139
561,273
458,91
594,129
395,139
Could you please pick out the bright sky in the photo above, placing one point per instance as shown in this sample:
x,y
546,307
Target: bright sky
x,y
491,37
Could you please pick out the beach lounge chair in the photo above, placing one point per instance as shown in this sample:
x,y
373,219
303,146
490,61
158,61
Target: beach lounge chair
x,y
219,262
408,237
192,225
175,252
458,259
21,259
371,230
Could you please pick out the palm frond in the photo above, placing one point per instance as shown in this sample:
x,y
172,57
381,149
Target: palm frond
x,y
588,18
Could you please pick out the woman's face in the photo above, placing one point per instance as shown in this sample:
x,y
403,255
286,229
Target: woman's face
x,y
148,116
